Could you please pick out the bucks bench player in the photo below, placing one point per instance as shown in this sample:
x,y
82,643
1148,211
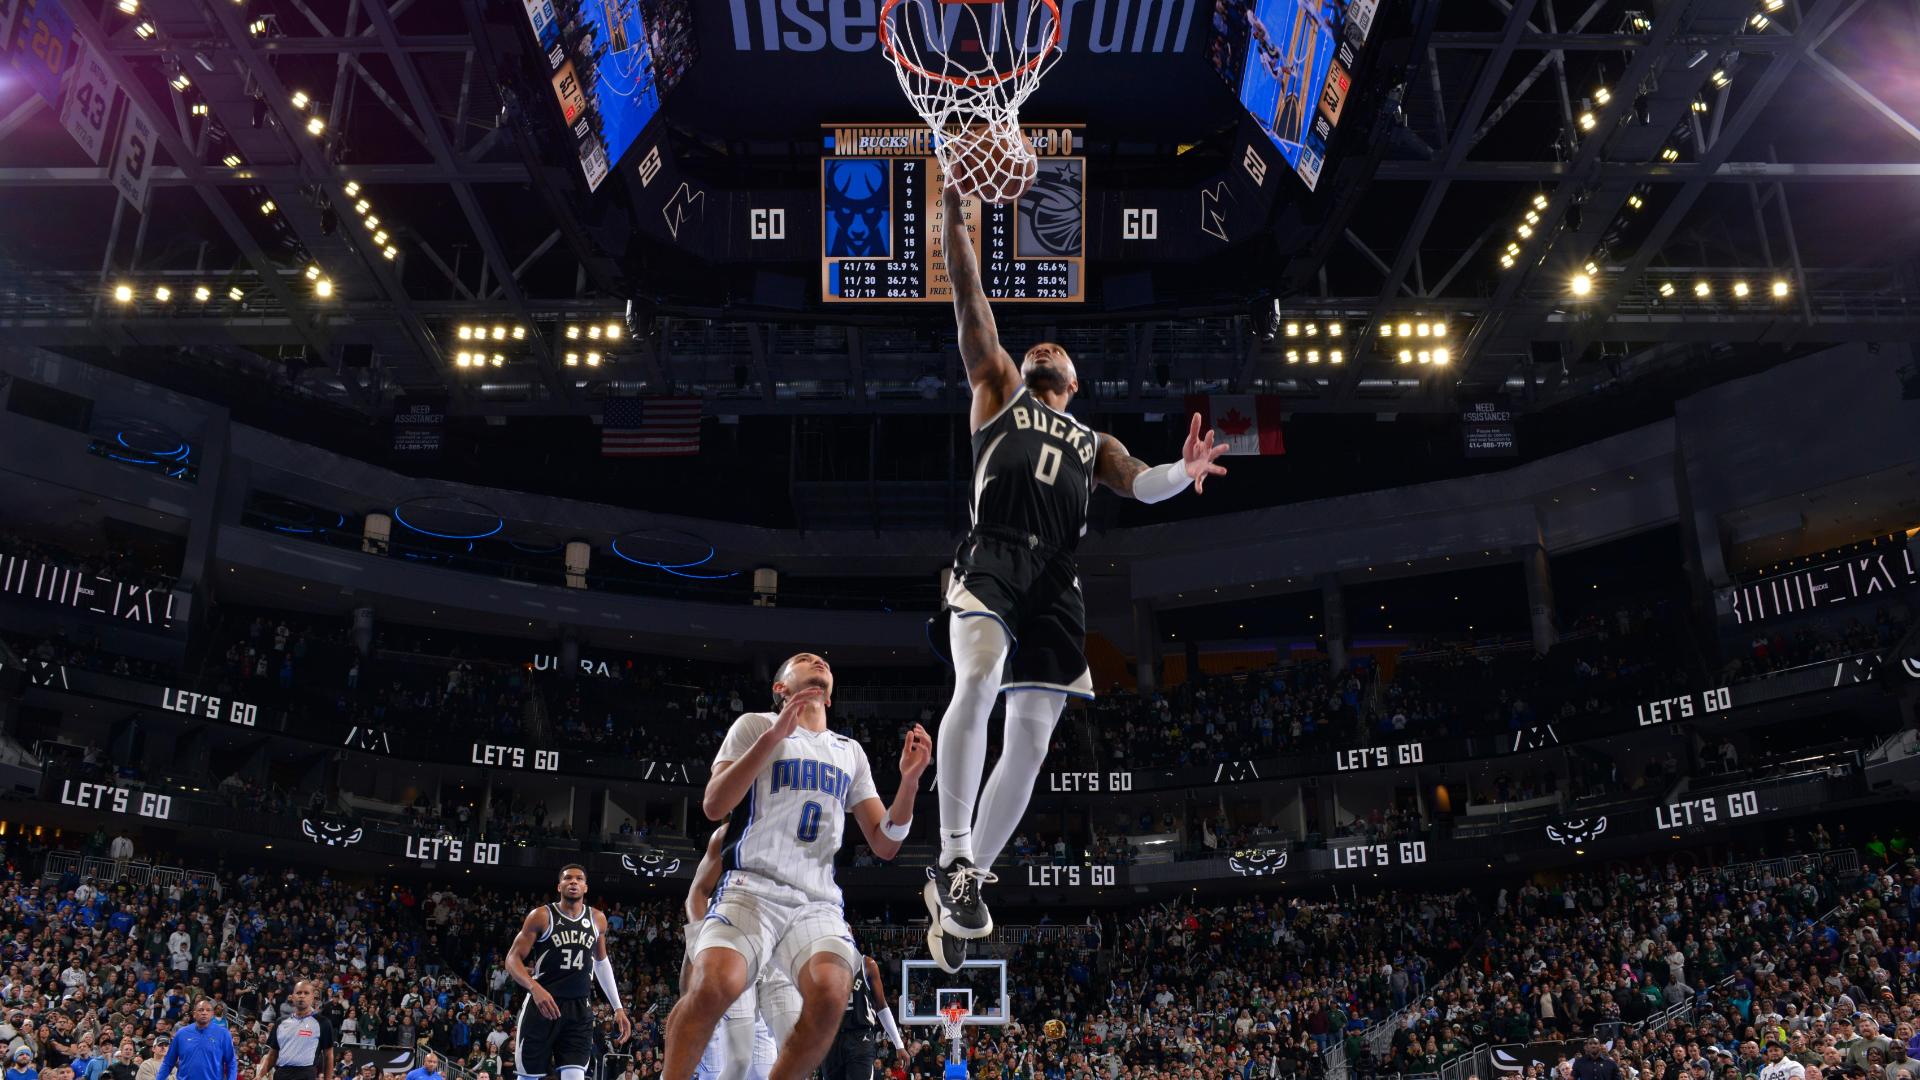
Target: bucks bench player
x,y
560,952
1013,618
776,903
749,1035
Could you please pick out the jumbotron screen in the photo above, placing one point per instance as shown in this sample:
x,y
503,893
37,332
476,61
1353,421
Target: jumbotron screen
x,y
1291,64
610,61
881,220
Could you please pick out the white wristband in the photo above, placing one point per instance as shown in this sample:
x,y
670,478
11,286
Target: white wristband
x,y
896,832
1162,482
603,974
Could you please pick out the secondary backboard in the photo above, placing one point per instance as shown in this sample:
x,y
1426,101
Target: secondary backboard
x,y
980,985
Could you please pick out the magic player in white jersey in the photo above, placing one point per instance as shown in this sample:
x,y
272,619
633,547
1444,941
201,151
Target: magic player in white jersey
x,y
748,1037
777,903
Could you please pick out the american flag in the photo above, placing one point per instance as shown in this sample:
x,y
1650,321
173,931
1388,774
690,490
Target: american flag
x,y
650,427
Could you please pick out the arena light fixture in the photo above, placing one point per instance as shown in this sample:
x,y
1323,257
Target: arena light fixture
x,y
1312,329
1336,357
1540,201
613,331
593,359
1406,330
593,333
1759,21
257,27
1740,290
1426,356
362,207
1582,284
1423,329
198,108
1440,330
1670,154
499,333
1293,329
390,253
316,126
1406,356
1441,356
1636,201
162,293
234,294
1532,218
499,360
267,207
1780,288
300,99
180,81
573,359
352,189
123,293
1774,5
1702,289
519,333
573,333
1334,329
373,221
380,236
1602,95
1313,356
1506,262
323,288
1666,288
313,271
1721,78
143,30
231,161
1587,121
1525,231
464,360
202,294
1700,105
465,333
1386,330
128,7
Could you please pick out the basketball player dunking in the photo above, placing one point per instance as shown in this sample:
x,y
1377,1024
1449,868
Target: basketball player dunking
x,y
1014,614
777,904
560,952
749,1035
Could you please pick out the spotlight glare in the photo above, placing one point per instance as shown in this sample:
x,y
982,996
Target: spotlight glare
x,y
1336,357
519,333
1441,356
466,333
323,288
1293,329
202,293
464,359
123,293
1740,289
1313,356
1780,288
1702,290
1334,329
1406,330
1439,329
1386,329
593,359
1582,284
1406,356
613,331
499,360
1293,356
573,359
1424,329
1426,357
593,332
573,333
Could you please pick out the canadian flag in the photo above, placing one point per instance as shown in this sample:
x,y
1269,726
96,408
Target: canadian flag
x,y
1247,423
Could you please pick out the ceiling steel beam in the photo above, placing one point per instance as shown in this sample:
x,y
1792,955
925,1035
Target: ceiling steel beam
x,y
1812,31
1465,124
1602,42
1518,172
322,45
306,329
445,156
171,176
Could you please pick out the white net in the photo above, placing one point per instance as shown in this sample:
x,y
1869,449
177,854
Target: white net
x,y
967,68
954,1022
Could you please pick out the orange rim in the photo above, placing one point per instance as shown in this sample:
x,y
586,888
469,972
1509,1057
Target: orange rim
x,y
972,82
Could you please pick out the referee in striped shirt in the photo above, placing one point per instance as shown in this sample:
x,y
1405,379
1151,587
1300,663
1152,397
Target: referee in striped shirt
x,y
300,1046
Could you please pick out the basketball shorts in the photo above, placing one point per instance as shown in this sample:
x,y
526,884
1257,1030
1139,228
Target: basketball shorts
x,y
1033,592
849,1058
776,928
542,1046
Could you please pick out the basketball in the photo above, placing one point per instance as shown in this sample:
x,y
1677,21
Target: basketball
x,y
993,163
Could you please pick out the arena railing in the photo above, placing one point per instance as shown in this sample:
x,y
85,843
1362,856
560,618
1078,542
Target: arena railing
x,y
110,872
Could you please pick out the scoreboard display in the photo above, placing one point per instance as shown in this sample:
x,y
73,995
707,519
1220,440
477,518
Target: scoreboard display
x,y
1291,64
882,220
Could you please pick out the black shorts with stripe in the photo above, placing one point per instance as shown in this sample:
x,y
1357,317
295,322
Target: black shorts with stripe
x,y
1033,591
542,1046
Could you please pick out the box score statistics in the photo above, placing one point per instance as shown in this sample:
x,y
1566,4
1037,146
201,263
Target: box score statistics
x,y
883,220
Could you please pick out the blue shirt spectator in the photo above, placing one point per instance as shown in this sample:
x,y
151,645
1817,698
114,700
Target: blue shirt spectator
x,y
202,1050
21,1066
428,1070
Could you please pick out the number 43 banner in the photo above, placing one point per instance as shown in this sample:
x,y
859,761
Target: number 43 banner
x,y
89,106
133,161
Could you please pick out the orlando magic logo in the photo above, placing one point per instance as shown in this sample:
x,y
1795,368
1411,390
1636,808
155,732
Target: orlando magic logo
x,y
329,833
650,866
1577,831
1050,211
1258,862
857,205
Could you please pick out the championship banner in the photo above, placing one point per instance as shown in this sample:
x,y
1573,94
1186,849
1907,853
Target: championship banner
x,y
41,49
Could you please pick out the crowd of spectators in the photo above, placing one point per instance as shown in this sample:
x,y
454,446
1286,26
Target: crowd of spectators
x,y
1813,640
119,559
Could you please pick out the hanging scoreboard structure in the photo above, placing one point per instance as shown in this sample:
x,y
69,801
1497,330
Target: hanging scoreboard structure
x,y
882,220
1291,64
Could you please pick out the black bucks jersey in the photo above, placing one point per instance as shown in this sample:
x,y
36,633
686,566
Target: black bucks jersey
x,y
851,1055
1033,473
562,961
1032,479
861,1020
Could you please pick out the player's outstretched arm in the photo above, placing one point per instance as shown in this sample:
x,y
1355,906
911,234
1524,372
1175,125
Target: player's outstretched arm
x,y
883,1010
531,928
603,974
990,370
1128,475
740,761
886,827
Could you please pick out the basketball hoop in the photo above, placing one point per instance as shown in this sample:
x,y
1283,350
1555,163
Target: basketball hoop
x,y
954,1022
967,71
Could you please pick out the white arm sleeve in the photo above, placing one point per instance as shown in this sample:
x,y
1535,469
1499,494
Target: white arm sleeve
x,y
893,1029
1162,482
603,974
